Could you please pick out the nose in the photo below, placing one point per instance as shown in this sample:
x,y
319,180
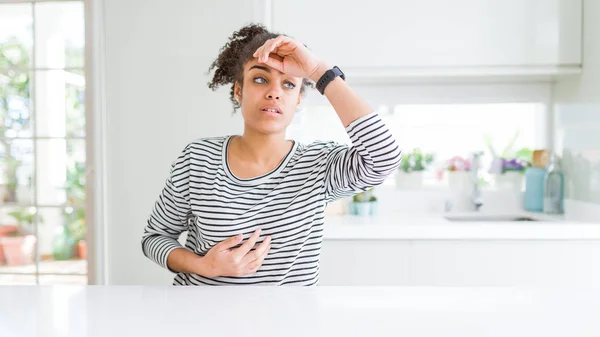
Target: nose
x,y
274,92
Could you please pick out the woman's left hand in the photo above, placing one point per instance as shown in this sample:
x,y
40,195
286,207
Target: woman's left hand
x,y
290,57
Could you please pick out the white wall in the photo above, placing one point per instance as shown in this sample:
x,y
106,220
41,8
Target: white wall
x,y
577,120
157,101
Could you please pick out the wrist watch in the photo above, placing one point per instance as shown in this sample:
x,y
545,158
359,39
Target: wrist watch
x,y
329,76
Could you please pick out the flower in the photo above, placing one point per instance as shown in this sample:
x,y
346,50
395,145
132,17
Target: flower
x,y
502,165
457,163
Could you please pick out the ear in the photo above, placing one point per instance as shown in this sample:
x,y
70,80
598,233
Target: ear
x,y
237,91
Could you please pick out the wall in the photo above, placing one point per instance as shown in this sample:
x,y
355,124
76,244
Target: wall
x,y
577,117
156,102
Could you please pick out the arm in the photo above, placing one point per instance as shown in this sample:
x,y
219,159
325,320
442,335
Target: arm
x,y
168,220
374,154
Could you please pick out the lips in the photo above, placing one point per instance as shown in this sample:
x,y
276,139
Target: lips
x,y
271,109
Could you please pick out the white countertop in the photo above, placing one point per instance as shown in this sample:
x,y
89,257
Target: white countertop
x,y
96,311
436,227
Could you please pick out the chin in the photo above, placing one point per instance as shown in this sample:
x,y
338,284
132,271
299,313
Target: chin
x,y
269,128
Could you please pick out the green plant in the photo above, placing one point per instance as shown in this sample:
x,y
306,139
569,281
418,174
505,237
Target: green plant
x,y
10,176
524,154
416,161
14,99
75,214
364,196
75,184
360,197
510,160
25,218
509,152
75,221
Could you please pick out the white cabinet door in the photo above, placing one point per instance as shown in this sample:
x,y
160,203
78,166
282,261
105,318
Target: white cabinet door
x,y
505,263
461,262
364,262
387,34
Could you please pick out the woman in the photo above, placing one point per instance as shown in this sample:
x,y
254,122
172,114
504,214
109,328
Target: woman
x,y
253,204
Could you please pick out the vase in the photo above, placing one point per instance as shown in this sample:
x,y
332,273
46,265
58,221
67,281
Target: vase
x,y
352,208
459,181
373,208
409,181
461,187
62,245
18,250
511,180
363,208
81,248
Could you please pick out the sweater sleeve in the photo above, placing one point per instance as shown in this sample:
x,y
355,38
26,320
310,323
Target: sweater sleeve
x,y
170,215
373,156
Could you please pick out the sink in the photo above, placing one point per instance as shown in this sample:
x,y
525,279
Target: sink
x,y
488,217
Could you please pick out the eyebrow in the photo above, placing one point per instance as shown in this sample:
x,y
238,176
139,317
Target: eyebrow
x,y
267,69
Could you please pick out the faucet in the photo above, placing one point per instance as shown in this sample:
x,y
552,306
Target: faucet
x,y
476,191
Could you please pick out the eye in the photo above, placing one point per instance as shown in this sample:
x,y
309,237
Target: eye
x,y
289,85
260,79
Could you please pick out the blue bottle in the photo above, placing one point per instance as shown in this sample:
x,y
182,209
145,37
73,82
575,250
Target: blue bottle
x,y
534,189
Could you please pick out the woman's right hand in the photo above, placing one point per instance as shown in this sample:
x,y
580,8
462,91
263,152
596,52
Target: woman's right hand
x,y
224,260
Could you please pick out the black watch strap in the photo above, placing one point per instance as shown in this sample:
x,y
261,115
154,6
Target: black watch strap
x,y
329,76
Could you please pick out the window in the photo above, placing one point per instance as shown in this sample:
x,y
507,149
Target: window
x,y
450,130
469,120
42,143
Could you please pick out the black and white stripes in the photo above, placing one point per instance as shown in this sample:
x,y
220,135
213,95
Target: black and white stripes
x,y
203,197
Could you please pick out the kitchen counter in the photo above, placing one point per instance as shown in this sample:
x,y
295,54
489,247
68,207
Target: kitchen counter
x,y
436,227
294,311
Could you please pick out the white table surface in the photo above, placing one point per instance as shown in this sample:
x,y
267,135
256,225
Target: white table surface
x,y
293,311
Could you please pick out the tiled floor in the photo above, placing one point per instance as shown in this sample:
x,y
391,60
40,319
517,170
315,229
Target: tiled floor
x,y
70,272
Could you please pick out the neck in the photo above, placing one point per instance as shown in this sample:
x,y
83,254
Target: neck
x,y
260,147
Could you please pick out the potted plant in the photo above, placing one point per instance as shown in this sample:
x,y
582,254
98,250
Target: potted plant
x,y
6,229
509,173
373,208
363,203
18,246
509,166
75,214
458,169
410,172
76,231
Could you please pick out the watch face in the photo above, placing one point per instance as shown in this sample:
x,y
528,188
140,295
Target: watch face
x,y
340,72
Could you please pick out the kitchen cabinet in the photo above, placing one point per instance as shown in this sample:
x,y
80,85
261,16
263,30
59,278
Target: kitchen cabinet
x,y
369,262
437,37
505,262
461,262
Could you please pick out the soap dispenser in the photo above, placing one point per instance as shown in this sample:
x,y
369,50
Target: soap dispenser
x,y
554,187
534,182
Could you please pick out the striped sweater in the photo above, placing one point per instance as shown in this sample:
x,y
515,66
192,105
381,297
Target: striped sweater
x,y
202,196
